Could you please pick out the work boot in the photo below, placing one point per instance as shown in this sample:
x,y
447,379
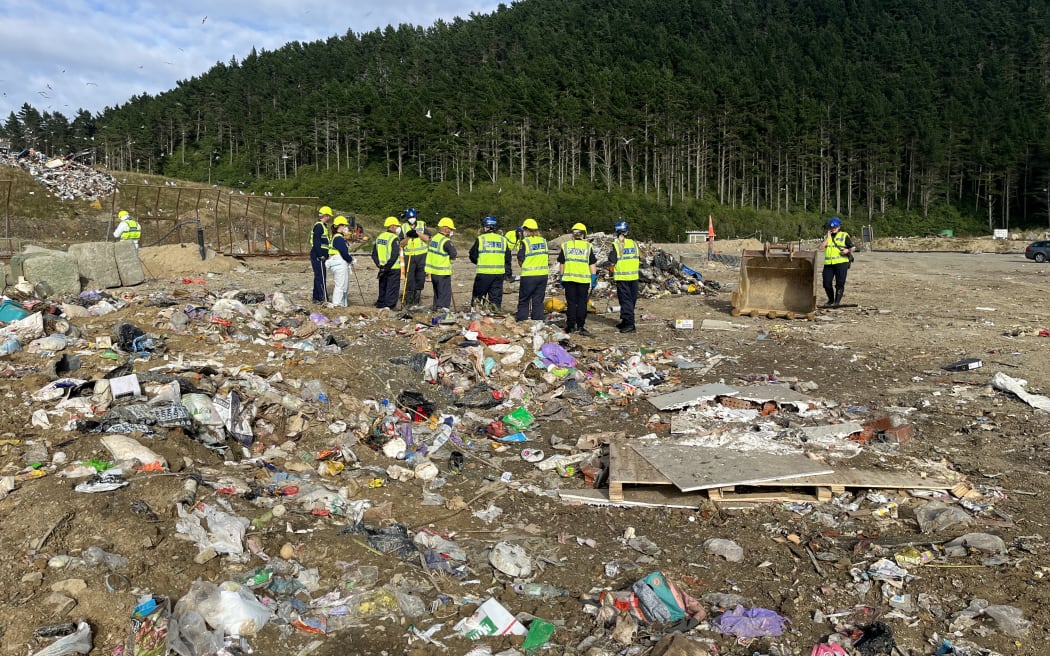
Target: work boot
x,y
584,332
621,325
628,329
838,296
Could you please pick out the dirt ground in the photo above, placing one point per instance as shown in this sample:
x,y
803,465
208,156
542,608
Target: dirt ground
x,y
915,312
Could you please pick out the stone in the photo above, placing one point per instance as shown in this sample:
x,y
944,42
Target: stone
x,y
97,264
61,603
71,587
129,266
33,577
59,270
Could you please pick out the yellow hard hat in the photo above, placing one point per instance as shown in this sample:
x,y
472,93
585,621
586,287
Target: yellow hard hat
x,y
391,221
340,220
530,224
579,227
122,213
327,211
446,223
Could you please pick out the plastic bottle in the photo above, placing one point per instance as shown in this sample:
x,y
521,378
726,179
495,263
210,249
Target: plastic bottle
x,y
95,556
543,590
444,432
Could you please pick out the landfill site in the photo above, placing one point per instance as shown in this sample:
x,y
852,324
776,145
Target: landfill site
x,y
199,460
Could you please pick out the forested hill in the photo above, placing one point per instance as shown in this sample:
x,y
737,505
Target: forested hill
x,y
906,112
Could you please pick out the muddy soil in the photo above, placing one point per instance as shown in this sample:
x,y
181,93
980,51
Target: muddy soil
x,y
915,312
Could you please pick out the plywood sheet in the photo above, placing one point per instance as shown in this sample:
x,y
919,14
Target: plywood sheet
x,y
780,394
691,396
865,478
667,497
693,468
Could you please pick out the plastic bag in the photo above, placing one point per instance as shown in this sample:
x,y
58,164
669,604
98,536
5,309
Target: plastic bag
x,y
519,419
727,549
74,643
234,609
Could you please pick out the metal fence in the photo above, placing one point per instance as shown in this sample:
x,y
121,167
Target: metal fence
x,y
233,223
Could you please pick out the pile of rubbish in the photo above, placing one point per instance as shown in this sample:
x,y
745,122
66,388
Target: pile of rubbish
x,y
660,273
65,178
468,398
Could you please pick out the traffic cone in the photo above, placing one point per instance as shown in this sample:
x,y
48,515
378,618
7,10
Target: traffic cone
x,y
710,228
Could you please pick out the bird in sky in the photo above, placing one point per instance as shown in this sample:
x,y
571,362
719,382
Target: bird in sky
x,y
627,141
91,84
204,19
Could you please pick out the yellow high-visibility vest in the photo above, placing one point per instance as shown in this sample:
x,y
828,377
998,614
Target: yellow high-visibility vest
x,y
536,261
627,262
134,230
577,265
833,251
492,253
438,261
414,247
384,243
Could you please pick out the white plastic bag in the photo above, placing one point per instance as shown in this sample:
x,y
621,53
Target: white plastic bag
x,y
78,642
235,610
124,448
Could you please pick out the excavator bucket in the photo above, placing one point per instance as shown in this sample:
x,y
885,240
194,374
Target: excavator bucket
x,y
776,281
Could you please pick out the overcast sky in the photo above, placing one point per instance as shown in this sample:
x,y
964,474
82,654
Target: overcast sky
x,y
63,55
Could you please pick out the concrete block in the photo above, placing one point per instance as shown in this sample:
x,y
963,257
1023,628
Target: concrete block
x,y
57,269
97,265
129,266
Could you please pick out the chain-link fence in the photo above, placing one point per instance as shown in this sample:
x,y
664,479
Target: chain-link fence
x,y
233,223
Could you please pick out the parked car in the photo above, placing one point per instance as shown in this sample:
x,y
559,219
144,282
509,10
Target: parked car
x,y
1038,251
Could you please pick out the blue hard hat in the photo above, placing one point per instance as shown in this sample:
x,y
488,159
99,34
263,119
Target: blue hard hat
x,y
411,213
835,222
621,226
489,222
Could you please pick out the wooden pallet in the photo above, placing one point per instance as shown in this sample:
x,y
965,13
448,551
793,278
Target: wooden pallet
x,y
628,468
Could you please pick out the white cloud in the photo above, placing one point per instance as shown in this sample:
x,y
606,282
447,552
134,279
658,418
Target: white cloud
x,y
64,55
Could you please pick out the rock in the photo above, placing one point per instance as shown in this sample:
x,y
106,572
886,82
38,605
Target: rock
x,y
71,587
129,266
59,270
676,644
61,603
33,577
97,265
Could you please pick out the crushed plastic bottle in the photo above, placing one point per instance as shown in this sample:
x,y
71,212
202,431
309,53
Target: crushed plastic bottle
x,y
95,556
542,590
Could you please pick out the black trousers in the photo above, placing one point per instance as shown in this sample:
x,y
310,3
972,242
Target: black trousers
x,y
442,286
531,290
317,264
576,299
834,276
489,286
389,286
415,274
627,295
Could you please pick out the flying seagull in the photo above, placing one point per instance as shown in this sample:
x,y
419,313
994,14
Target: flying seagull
x,y
428,114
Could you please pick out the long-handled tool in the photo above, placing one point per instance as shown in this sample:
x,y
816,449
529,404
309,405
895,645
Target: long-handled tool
x,y
359,289
408,276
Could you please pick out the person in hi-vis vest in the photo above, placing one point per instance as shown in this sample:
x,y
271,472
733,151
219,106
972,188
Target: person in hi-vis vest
x,y
386,251
440,253
578,267
489,253
535,264
128,229
625,261
838,254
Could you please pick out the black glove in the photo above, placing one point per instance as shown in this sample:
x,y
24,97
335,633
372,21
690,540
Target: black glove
x,y
412,234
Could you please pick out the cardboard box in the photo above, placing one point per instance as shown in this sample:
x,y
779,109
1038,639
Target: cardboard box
x,y
683,324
